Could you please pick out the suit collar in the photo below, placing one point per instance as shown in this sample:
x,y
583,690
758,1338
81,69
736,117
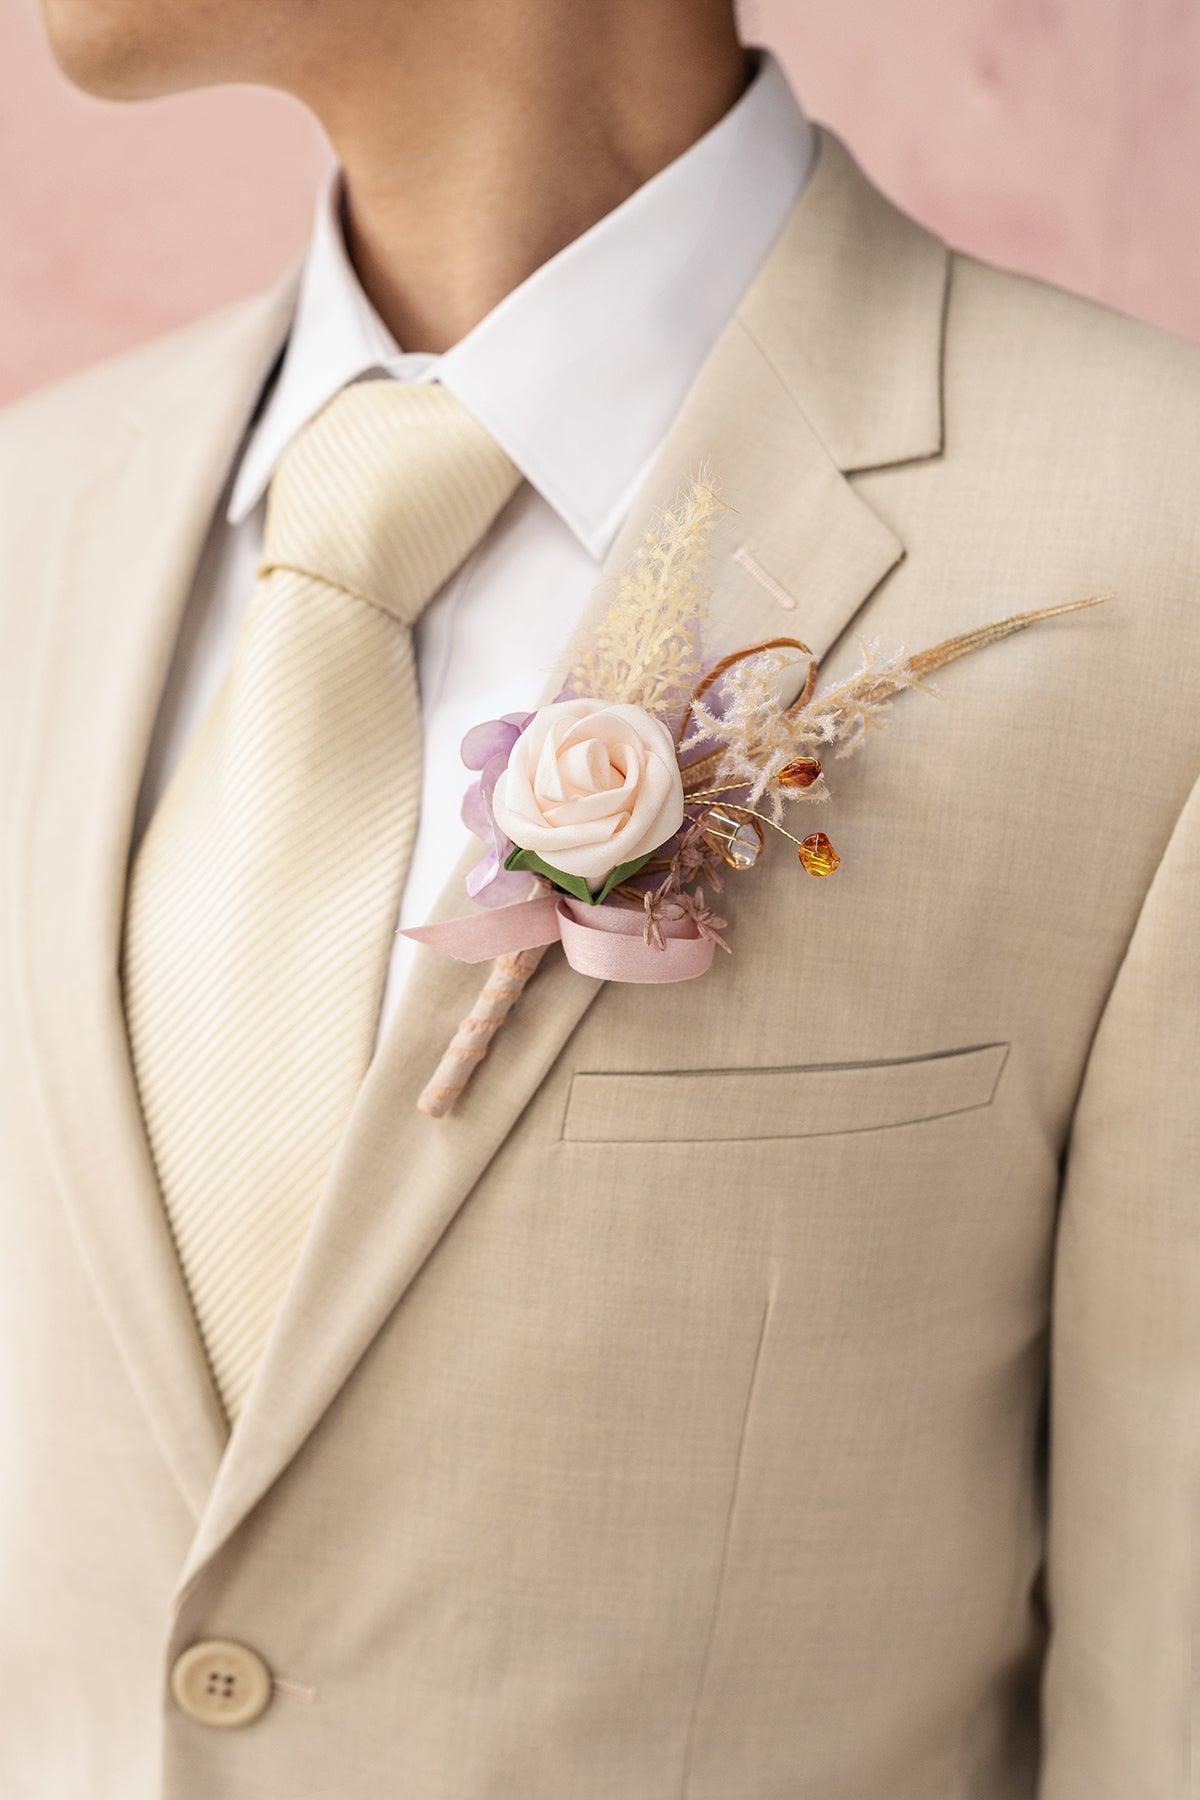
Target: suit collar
x,y
626,312
849,311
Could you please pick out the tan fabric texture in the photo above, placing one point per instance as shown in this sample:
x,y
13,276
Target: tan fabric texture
x,y
777,1387
262,900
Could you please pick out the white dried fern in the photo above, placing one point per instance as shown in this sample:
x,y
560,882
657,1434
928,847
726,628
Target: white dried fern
x,y
646,652
755,738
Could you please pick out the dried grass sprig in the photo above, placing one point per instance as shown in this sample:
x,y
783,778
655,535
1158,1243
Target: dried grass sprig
x,y
646,652
950,649
755,739
849,710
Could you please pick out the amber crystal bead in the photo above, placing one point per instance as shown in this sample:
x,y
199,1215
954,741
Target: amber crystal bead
x,y
799,774
738,839
817,855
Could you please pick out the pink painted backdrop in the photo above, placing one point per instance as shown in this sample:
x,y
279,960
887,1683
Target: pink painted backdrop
x,y
1060,136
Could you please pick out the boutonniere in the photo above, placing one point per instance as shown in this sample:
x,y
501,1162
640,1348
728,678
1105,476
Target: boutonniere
x,y
613,816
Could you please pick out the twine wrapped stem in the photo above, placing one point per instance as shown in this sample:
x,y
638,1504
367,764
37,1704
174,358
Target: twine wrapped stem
x,y
471,1042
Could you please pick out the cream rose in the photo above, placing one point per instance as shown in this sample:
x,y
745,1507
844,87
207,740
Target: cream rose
x,y
590,786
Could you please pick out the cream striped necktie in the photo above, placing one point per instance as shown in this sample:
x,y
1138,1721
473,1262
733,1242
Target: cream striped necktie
x,y
262,900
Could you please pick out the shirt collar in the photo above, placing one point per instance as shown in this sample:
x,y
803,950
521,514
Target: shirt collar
x,y
579,372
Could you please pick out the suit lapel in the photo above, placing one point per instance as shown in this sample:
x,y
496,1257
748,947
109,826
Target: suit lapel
x,y
797,557
130,544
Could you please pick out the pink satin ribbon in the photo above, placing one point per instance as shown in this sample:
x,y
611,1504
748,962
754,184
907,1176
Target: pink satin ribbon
x,y
605,941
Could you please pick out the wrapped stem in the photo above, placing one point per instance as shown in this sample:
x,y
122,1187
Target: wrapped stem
x,y
504,986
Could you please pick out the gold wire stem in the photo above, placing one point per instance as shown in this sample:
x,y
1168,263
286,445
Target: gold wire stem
x,y
729,787
702,764
732,806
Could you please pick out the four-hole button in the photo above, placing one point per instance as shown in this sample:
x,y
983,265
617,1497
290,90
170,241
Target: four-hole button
x,y
219,1682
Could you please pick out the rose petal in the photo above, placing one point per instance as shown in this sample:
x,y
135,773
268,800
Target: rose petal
x,y
589,786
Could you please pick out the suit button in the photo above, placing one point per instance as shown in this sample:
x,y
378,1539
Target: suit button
x,y
218,1682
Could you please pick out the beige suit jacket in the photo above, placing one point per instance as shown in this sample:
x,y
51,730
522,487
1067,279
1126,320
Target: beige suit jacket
x,y
671,1422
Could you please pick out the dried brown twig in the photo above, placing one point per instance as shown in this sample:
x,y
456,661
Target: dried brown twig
x,y
950,649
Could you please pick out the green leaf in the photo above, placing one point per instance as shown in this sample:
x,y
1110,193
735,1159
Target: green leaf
x,y
621,874
528,861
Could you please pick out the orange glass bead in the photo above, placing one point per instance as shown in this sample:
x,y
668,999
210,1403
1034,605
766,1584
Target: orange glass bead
x,y
799,774
817,855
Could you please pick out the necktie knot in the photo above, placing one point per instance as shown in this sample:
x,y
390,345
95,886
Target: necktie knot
x,y
385,493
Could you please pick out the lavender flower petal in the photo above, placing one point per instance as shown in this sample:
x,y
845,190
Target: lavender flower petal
x,y
495,737
493,769
487,748
482,742
476,814
484,872
490,884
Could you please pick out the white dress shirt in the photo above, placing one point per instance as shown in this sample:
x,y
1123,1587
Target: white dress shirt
x,y
578,374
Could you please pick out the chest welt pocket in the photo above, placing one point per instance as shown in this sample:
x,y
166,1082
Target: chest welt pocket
x,y
704,1105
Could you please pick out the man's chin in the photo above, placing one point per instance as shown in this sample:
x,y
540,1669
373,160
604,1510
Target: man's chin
x,y
105,54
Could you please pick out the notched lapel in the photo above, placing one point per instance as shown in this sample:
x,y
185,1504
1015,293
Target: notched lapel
x,y
797,532
129,547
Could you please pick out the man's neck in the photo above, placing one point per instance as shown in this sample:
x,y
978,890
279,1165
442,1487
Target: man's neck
x,y
490,137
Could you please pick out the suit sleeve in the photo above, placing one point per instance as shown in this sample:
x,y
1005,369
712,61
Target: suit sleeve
x,y
1120,1691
